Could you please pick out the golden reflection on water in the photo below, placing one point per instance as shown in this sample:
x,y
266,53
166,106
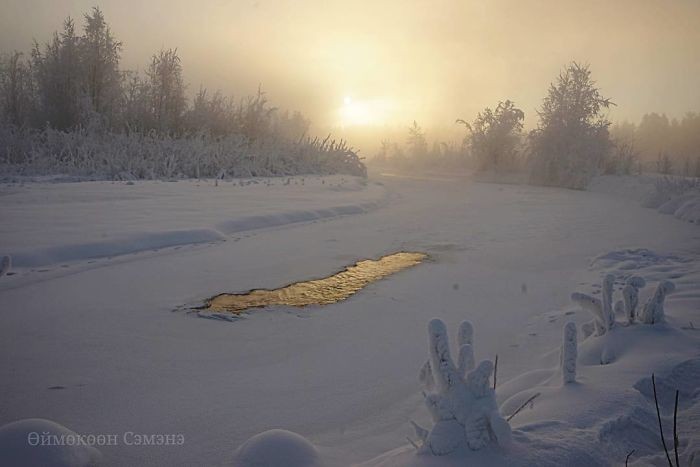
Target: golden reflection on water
x,y
324,291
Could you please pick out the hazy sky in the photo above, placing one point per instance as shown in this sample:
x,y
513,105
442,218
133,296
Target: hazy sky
x,y
387,62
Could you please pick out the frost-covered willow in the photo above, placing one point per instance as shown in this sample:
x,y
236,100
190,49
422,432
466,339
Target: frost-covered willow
x,y
461,402
112,155
68,108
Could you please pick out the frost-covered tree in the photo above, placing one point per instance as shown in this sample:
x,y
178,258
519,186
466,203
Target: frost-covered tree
x,y
653,311
569,353
463,407
416,142
214,114
16,90
630,296
494,136
99,60
571,141
166,91
255,116
58,79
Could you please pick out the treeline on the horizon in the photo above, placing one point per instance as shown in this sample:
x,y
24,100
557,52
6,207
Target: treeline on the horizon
x,y
573,141
667,146
68,107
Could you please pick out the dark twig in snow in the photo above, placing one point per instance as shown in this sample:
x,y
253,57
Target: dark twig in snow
x,y
675,432
522,407
658,415
495,371
628,457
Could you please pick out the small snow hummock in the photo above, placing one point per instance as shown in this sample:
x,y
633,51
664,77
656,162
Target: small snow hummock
x,y
463,406
5,265
277,448
630,296
569,353
21,446
653,311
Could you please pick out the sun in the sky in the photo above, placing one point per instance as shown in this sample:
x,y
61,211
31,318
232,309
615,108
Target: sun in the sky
x,y
356,112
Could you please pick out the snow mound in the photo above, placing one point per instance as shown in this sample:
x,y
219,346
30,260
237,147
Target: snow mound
x,y
633,258
677,196
690,210
122,246
277,448
20,447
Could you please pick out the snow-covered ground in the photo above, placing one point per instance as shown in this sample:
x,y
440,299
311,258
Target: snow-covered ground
x,y
94,332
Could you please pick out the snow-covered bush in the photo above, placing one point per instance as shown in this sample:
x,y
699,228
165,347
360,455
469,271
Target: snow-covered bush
x,y
601,309
630,296
465,362
494,137
572,141
569,353
653,311
669,188
103,154
20,446
462,402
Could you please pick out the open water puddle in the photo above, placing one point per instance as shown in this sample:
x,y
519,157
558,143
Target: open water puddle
x,y
324,291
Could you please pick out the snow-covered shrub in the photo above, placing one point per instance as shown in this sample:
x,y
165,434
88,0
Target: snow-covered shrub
x,y
669,188
569,353
104,154
276,448
494,137
630,296
572,141
465,362
653,311
5,265
601,309
463,406
20,446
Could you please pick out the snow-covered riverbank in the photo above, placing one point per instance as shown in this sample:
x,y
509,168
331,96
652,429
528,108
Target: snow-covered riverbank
x,y
505,257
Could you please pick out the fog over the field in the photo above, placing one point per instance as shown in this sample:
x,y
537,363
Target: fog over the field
x,y
401,60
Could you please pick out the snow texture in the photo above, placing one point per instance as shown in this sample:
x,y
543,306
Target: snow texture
x,y
20,446
345,373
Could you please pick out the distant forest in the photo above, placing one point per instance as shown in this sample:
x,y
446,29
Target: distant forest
x,y
573,141
68,107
